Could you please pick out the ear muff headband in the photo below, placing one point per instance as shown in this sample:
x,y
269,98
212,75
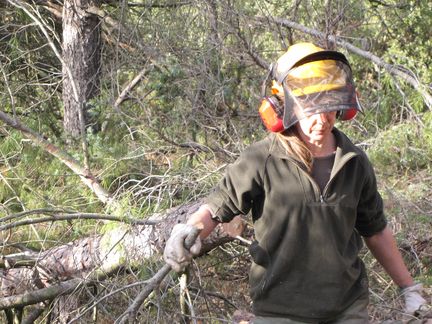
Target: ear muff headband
x,y
317,56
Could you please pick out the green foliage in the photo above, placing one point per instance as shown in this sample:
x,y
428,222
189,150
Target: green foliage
x,y
401,148
398,34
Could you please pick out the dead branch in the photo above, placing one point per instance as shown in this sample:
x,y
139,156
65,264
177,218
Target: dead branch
x,y
45,211
130,314
40,295
77,216
129,87
34,314
174,5
255,56
382,3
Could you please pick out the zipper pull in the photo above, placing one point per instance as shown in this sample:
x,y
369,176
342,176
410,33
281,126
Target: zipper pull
x,y
321,199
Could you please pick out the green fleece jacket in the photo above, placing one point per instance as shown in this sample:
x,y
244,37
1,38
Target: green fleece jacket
x,y
305,257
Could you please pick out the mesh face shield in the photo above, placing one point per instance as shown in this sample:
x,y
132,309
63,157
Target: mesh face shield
x,y
319,83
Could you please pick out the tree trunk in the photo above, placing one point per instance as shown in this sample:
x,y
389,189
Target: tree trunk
x,y
81,68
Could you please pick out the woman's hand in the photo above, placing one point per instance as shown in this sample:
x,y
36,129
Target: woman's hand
x,y
413,298
176,253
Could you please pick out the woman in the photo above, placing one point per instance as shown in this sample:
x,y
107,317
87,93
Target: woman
x,y
312,195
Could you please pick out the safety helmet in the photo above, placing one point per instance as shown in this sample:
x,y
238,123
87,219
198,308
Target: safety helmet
x,y
309,80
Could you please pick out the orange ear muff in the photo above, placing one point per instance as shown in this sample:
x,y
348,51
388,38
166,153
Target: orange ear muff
x,y
347,114
270,113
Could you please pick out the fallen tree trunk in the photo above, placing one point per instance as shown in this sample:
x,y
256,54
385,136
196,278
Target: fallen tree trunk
x,y
60,270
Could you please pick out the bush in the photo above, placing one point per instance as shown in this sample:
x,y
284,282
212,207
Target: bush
x,y
404,147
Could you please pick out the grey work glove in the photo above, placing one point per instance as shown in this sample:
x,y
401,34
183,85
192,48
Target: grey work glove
x,y
175,253
413,298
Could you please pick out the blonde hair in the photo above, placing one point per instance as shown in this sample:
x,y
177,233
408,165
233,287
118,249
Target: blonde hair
x,y
294,146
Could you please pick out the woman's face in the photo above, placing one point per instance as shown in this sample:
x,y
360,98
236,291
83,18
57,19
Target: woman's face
x,y
316,129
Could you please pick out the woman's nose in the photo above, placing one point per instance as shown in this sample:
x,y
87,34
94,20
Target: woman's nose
x,y
322,118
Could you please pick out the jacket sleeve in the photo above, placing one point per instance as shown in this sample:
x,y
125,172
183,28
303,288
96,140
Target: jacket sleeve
x,y
239,187
370,211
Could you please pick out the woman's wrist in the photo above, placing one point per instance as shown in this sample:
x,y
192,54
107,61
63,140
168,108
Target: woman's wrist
x,y
407,285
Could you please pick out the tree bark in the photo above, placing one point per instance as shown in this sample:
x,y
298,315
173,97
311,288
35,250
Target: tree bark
x,y
81,62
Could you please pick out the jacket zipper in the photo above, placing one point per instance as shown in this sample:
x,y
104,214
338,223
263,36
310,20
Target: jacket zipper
x,y
317,191
315,186
320,196
339,167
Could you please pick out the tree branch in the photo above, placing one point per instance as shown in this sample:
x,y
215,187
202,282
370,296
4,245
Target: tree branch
x,y
54,218
40,295
382,3
123,95
130,314
175,4
45,211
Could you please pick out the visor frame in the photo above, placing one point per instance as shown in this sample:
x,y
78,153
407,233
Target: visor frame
x,y
317,56
289,116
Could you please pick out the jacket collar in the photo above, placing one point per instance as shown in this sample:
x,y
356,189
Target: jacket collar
x,y
345,151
